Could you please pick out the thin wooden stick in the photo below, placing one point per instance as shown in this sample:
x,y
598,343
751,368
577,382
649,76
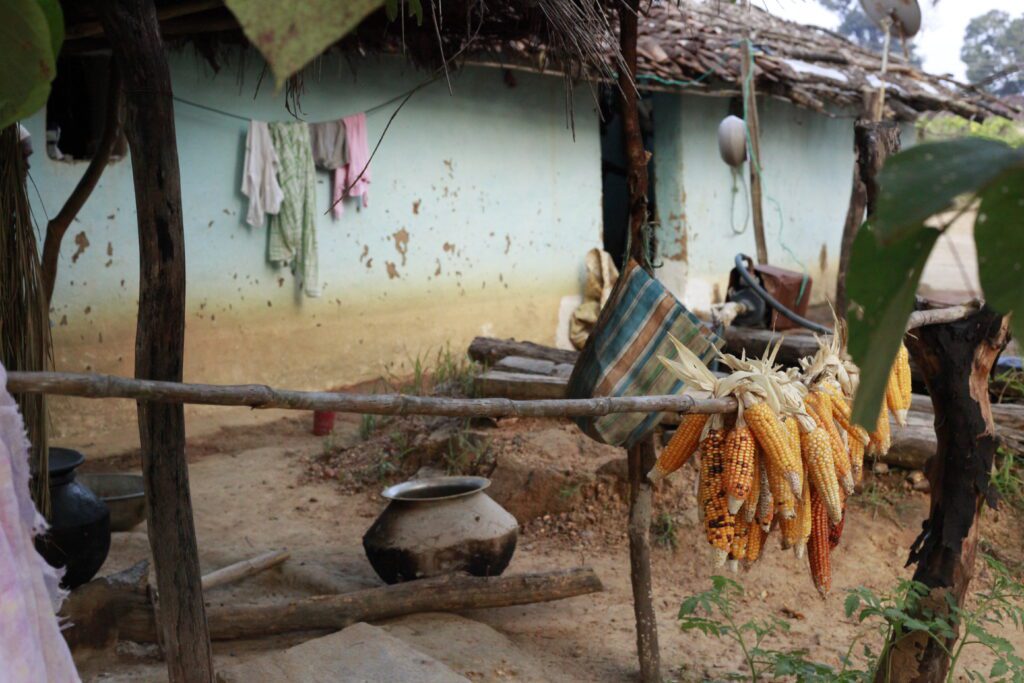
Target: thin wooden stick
x,y
937,316
244,569
260,396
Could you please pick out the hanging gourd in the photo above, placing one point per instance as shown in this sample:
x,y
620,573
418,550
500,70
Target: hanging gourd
x,y
732,140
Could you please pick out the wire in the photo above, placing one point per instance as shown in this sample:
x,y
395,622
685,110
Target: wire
x,y
741,267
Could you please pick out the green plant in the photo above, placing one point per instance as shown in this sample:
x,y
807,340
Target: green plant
x,y
664,530
367,426
570,490
889,253
1007,384
1006,477
453,373
713,614
466,452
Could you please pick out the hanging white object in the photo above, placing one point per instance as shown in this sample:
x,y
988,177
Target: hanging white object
x,y
905,14
732,140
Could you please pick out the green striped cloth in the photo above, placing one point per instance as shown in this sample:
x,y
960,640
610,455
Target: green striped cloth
x,y
621,354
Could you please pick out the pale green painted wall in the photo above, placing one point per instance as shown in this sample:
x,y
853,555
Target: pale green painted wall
x,y
500,204
807,167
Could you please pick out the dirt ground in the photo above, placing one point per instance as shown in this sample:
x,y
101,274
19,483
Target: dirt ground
x,y
274,485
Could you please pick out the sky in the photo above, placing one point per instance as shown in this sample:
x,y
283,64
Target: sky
x,y
942,26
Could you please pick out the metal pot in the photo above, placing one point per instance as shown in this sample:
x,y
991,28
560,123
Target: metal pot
x,y
440,525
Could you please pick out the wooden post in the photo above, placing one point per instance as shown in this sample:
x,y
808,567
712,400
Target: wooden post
x,y
873,143
134,34
640,457
748,74
956,359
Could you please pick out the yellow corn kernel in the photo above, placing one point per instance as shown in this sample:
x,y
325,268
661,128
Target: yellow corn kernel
x,y
881,438
785,503
738,550
817,454
773,439
680,447
903,374
820,406
804,515
765,501
749,509
719,525
755,543
739,466
793,434
893,398
789,531
819,556
841,412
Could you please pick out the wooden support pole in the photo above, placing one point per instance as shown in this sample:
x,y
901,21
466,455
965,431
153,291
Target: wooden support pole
x,y
134,34
641,456
873,143
748,72
956,359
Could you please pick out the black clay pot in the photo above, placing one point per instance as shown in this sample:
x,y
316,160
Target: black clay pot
x,y
79,535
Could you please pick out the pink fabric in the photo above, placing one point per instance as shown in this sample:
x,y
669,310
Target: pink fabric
x,y
358,157
31,646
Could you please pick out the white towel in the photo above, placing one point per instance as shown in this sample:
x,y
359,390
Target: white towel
x,y
259,174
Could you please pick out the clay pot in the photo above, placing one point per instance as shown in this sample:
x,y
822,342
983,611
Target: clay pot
x,y
438,526
79,534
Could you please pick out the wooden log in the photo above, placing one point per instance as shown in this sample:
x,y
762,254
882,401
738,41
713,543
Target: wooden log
x,y
93,610
244,569
747,85
134,34
517,386
533,366
639,460
259,396
957,359
449,593
489,351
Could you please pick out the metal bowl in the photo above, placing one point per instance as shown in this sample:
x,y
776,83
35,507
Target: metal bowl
x,y
435,488
123,494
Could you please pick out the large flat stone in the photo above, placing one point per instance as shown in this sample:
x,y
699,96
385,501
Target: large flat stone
x,y
359,654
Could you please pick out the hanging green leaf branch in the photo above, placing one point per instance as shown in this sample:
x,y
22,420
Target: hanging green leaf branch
x,y
890,251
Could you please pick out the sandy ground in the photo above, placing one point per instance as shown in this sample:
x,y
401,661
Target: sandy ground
x,y
252,492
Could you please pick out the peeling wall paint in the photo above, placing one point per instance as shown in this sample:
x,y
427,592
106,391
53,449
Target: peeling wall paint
x,y
481,210
807,170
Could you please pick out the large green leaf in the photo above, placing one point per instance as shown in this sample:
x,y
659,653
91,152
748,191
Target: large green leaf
x,y
29,49
999,236
290,34
881,283
924,180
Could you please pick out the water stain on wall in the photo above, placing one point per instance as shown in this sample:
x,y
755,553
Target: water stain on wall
x,y
401,243
82,242
823,258
392,270
416,206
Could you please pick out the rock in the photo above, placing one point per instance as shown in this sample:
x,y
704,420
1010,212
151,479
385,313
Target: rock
x,y
918,481
617,468
880,468
361,652
468,647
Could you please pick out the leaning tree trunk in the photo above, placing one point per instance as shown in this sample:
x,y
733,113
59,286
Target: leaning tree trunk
x,y
956,359
134,34
640,457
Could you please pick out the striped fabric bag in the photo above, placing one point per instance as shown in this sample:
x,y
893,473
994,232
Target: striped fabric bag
x,y
621,354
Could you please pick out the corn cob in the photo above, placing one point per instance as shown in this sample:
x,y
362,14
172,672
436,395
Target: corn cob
x,y
755,543
857,460
789,530
680,447
893,397
841,412
738,550
785,503
835,531
718,523
820,406
765,502
903,373
817,453
749,510
818,554
793,433
804,515
739,466
768,431
881,438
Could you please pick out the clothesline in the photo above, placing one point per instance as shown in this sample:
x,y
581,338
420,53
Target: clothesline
x,y
371,110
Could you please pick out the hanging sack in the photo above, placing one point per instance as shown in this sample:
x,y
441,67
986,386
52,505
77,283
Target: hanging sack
x,y
621,354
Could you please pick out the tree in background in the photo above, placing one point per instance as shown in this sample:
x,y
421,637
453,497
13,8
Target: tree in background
x,y
856,26
994,52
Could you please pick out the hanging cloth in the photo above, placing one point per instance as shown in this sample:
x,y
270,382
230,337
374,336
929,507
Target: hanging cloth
x,y
358,150
292,239
328,141
259,174
31,645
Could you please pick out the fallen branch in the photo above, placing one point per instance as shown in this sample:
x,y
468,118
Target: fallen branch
x,y
260,396
244,569
450,593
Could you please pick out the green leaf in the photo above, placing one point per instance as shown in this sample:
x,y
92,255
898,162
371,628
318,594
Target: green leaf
x,y
881,283
851,604
290,34
416,10
55,21
391,9
924,180
29,62
999,237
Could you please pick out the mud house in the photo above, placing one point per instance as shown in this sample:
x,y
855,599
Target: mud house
x,y
467,230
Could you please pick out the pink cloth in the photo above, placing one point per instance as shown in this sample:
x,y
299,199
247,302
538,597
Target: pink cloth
x,y
31,646
358,158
